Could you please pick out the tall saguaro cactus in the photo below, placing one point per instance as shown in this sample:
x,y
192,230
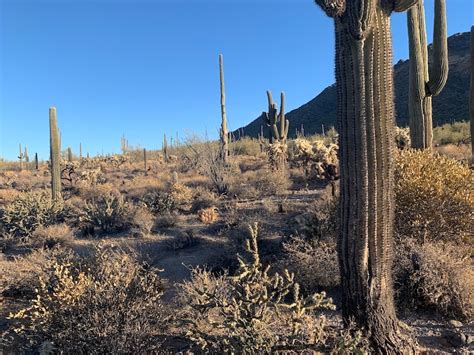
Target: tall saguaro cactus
x,y
224,133
21,156
471,97
164,147
272,118
366,118
55,155
425,81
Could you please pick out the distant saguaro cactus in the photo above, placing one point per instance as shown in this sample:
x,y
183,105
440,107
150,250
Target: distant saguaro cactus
x,y
145,160
164,147
27,157
80,151
69,154
271,118
224,133
55,155
21,156
365,116
425,81
36,162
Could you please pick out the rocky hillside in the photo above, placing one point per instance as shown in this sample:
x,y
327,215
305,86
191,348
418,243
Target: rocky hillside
x,y
450,105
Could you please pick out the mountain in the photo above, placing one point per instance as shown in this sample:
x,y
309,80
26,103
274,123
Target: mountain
x,y
452,104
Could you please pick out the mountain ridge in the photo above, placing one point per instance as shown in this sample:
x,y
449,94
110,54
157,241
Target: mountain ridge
x,y
452,104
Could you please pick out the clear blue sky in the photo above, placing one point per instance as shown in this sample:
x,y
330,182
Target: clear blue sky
x,y
145,68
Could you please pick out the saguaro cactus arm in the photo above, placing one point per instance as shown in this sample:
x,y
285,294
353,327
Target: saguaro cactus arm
x,y
439,70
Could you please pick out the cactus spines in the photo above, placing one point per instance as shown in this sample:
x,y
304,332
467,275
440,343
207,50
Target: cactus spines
x,y
272,117
425,81
365,119
55,157
471,96
223,131
20,157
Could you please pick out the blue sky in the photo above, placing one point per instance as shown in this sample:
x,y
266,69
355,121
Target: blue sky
x,y
148,67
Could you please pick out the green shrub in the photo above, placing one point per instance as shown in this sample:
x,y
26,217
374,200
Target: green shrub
x,y
29,211
110,304
246,146
434,197
159,202
451,133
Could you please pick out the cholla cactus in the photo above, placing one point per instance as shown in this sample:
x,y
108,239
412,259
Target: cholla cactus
x,y
277,152
402,137
318,156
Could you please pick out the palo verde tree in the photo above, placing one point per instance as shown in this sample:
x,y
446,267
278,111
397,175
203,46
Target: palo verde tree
x,y
366,123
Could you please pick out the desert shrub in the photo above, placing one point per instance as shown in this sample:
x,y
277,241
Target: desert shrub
x,y
269,183
454,133
314,264
434,197
29,211
321,221
246,146
435,276
50,236
208,215
142,220
106,214
180,193
108,304
182,241
248,312
203,199
159,202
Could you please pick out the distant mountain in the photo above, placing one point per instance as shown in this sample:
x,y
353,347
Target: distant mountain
x,y
450,105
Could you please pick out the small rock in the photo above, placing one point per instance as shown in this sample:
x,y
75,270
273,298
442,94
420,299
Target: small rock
x,y
455,323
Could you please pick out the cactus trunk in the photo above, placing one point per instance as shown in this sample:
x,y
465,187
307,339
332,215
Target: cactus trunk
x,y
365,120
471,97
224,131
145,160
36,162
80,151
69,154
20,157
55,155
165,149
424,81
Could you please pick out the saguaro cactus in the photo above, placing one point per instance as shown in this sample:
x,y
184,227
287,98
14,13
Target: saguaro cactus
x,y
20,157
36,162
69,154
471,97
145,160
223,131
272,118
27,157
365,119
80,151
425,82
55,155
165,148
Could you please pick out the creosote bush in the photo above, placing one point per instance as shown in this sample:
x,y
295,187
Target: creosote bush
x,y
29,211
108,304
434,197
253,311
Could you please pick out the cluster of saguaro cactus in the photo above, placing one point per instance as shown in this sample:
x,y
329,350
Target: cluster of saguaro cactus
x,y
55,155
224,133
425,81
278,131
272,118
364,80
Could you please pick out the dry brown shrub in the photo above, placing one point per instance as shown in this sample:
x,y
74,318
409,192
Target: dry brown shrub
x,y
315,264
110,303
434,197
208,215
8,195
49,236
435,276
